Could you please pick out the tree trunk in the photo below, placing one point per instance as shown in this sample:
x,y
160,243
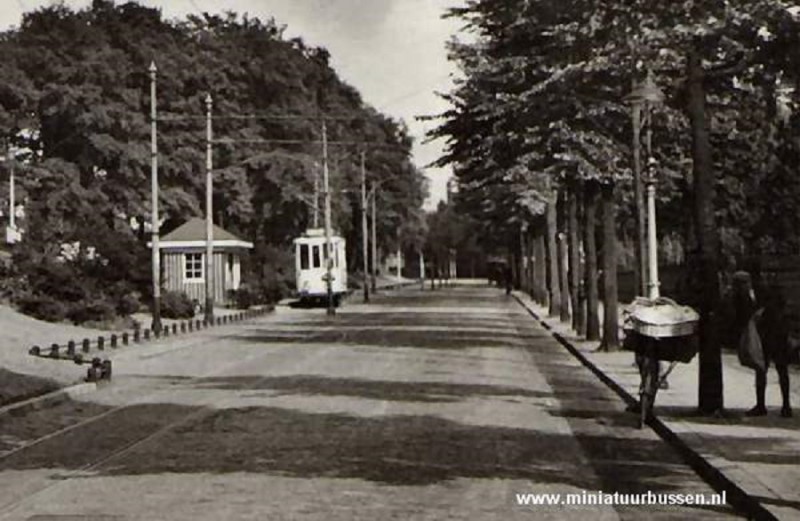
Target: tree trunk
x,y
532,266
575,271
563,259
539,274
710,395
610,340
639,204
590,210
524,242
552,256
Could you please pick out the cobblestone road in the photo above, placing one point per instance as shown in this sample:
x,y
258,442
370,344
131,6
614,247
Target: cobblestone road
x,y
420,405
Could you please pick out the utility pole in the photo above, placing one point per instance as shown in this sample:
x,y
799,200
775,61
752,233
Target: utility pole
x,y
316,197
154,220
399,260
209,275
327,195
374,239
12,223
421,270
364,241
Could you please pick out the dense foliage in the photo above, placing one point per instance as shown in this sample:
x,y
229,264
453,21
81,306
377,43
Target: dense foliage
x,y
543,96
75,102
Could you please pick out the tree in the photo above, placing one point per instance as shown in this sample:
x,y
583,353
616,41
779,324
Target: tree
x,y
78,81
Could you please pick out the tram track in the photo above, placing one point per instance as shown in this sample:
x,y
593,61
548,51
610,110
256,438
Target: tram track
x,y
174,419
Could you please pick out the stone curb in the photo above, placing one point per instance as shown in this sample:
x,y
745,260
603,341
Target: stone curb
x,y
47,400
79,352
737,497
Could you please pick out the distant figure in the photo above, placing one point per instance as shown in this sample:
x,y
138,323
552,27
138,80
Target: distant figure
x,y
507,278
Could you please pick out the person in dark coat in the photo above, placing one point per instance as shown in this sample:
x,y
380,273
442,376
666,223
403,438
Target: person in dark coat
x,y
768,308
773,328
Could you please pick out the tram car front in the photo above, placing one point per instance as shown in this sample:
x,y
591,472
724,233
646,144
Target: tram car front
x,y
310,266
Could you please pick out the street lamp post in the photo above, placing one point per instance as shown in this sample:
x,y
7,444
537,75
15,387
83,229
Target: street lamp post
x,y
652,241
154,240
642,99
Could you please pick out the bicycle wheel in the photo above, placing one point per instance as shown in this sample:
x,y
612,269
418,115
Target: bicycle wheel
x,y
647,394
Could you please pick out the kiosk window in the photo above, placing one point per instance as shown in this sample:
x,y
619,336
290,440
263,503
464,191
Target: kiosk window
x,y
193,267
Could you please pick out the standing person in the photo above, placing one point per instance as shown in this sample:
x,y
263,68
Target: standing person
x,y
507,277
744,307
773,329
773,332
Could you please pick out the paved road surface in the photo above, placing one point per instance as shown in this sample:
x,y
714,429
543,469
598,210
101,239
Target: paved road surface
x,y
421,405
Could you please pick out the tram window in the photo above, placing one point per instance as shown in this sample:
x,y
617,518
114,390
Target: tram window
x,y
316,263
304,257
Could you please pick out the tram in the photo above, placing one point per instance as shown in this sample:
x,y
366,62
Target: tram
x,y
310,269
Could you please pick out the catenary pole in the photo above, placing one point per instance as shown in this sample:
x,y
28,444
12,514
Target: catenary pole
x,y
374,238
331,310
209,264
12,203
364,239
154,219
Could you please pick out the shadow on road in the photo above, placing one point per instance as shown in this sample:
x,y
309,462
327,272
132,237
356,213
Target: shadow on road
x,y
362,388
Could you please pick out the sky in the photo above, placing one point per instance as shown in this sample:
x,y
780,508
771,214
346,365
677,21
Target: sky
x,y
392,51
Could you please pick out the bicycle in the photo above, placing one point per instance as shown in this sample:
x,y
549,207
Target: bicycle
x,y
658,330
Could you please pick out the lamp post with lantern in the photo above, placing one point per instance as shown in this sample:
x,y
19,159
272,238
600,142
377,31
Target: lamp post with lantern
x,y
643,98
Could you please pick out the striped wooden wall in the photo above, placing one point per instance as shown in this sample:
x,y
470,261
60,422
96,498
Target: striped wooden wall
x,y
172,263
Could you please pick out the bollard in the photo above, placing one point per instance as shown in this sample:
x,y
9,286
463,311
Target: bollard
x,y
165,332
113,341
183,327
156,333
101,343
146,335
35,351
125,338
78,359
71,348
219,321
85,345
174,329
190,325
54,351
137,335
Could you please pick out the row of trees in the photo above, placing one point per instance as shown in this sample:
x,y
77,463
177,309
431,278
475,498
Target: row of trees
x,y
540,140
74,103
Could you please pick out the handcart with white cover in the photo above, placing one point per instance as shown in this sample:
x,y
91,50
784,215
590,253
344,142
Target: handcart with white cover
x,y
658,330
